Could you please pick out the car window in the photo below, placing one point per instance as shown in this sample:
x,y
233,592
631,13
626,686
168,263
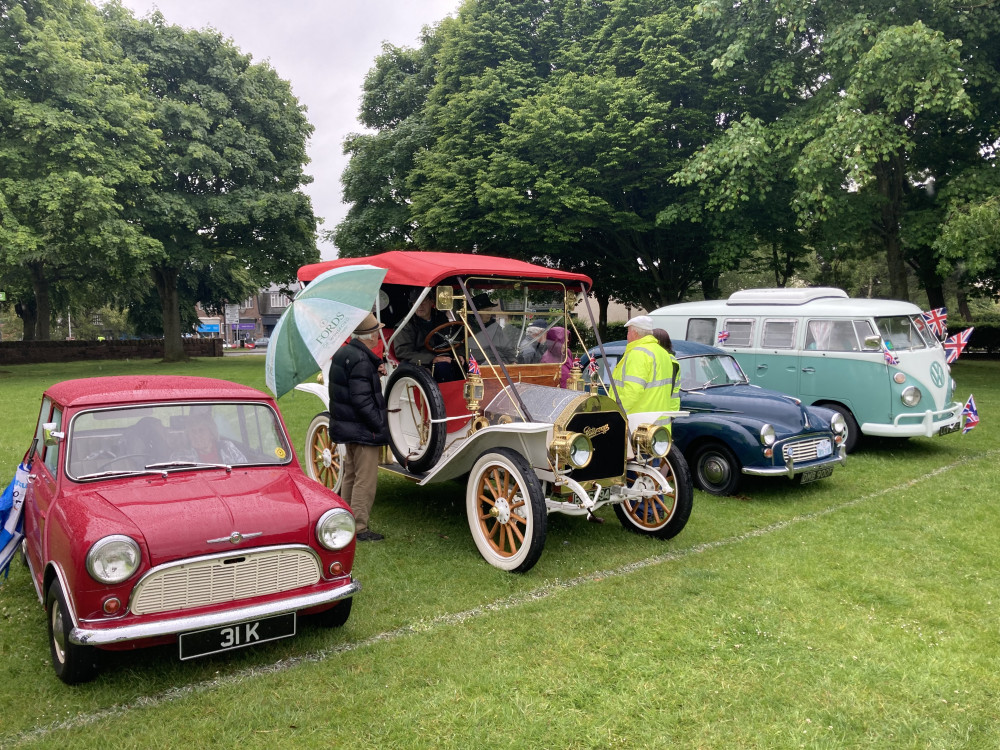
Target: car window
x,y
130,439
701,330
740,333
51,455
778,334
900,332
710,370
832,336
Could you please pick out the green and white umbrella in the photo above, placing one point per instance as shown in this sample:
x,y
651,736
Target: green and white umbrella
x,y
317,322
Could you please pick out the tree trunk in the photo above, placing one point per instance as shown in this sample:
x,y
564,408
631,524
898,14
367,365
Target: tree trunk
x,y
710,287
963,304
166,286
27,311
43,304
935,295
889,179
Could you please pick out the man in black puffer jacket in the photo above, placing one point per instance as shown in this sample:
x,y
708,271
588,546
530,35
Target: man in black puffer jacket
x,y
358,420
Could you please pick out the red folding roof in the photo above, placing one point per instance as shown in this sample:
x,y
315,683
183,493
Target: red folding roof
x,y
427,268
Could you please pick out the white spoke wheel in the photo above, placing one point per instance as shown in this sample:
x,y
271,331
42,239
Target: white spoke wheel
x,y
506,510
324,458
413,399
665,514
72,663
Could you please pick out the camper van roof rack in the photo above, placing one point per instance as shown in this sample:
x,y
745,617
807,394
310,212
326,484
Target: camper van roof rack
x,y
783,296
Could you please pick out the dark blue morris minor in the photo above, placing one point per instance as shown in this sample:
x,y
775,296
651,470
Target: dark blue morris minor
x,y
735,428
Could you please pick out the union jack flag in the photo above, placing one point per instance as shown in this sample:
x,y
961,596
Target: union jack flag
x,y
723,337
576,363
473,366
936,320
971,414
954,345
890,358
592,367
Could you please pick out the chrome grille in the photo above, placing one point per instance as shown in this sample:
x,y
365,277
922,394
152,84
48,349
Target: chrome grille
x,y
802,450
224,578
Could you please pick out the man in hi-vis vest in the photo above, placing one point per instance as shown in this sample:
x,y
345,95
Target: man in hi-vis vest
x,y
647,376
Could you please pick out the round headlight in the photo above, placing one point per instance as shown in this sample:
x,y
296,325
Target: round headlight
x,y
837,423
911,396
767,434
653,440
113,559
335,529
572,448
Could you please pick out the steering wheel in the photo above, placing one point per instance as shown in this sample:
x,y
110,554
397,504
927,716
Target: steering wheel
x,y
118,459
446,347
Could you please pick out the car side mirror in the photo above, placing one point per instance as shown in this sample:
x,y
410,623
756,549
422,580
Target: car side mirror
x,y
50,435
873,343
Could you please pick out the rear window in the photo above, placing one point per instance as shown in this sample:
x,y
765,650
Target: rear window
x,y
701,330
740,332
778,334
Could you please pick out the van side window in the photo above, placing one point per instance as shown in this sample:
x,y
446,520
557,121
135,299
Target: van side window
x,y
740,332
831,336
864,329
701,330
778,334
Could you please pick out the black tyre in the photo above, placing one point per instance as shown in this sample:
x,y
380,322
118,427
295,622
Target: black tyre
x,y
413,400
324,458
663,516
336,616
853,431
716,469
73,664
506,510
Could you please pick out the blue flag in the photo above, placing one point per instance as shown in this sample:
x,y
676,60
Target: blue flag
x,y
11,507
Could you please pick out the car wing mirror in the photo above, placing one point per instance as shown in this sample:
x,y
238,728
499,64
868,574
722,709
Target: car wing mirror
x,y
444,298
50,435
873,343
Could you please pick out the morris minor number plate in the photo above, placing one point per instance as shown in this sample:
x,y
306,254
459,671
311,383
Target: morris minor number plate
x,y
239,635
812,476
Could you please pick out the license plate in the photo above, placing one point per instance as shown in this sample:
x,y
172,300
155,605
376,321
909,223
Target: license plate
x,y
814,474
824,448
239,635
949,428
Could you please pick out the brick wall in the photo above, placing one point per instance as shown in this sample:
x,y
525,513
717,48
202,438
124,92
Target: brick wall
x,y
27,352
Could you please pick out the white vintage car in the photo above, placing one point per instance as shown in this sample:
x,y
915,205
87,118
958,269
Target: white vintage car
x,y
529,429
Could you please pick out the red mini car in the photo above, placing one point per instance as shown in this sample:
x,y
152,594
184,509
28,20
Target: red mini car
x,y
164,509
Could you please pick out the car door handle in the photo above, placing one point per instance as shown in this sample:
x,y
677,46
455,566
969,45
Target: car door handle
x,y
761,367
809,369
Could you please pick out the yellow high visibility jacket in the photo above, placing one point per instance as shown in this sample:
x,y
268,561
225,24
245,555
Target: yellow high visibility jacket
x,y
648,378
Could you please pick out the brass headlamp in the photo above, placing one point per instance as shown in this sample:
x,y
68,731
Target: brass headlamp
x,y
652,440
572,448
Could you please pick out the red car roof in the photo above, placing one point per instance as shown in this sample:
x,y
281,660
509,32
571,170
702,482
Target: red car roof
x,y
427,268
128,389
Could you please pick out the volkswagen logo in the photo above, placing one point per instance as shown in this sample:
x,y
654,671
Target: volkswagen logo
x,y
937,374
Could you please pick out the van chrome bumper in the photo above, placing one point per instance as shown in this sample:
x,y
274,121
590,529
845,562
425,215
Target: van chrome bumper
x,y
923,424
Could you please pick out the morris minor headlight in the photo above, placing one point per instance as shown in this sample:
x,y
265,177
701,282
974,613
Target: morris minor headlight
x,y
572,448
335,529
767,434
838,424
113,559
911,396
652,439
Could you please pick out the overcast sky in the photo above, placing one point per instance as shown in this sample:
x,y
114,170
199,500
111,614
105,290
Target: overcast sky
x,y
324,48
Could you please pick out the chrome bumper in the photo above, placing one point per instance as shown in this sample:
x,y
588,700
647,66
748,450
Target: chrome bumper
x,y
918,425
792,469
87,636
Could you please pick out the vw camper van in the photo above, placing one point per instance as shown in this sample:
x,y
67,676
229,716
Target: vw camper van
x,y
827,349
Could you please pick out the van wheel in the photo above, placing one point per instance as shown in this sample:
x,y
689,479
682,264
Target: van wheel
x,y
853,431
716,469
413,399
324,458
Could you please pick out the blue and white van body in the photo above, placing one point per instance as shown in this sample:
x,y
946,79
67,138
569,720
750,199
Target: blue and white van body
x,y
826,348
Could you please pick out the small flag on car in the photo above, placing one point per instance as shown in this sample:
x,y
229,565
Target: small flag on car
x,y
11,506
971,414
723,337
473,366
936,320
890,358
592,366
954,345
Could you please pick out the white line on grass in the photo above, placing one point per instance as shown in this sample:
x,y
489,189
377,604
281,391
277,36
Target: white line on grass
x,y
424,626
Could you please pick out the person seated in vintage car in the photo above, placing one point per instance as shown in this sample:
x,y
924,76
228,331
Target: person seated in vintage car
x,y
411,344
205,445
500,331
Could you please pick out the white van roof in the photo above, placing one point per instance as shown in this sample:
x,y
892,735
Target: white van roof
x,y
785,296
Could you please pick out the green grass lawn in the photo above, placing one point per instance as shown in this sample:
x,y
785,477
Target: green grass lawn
x,y
860,611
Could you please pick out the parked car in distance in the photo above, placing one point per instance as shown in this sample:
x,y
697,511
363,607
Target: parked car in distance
x,y
172,509
735,428
261,343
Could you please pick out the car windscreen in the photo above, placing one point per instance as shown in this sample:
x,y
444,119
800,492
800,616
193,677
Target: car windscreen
x,y
176,435
900,332
710,370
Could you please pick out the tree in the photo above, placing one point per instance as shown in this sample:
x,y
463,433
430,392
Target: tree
x,y
867,103
75,144
225,204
